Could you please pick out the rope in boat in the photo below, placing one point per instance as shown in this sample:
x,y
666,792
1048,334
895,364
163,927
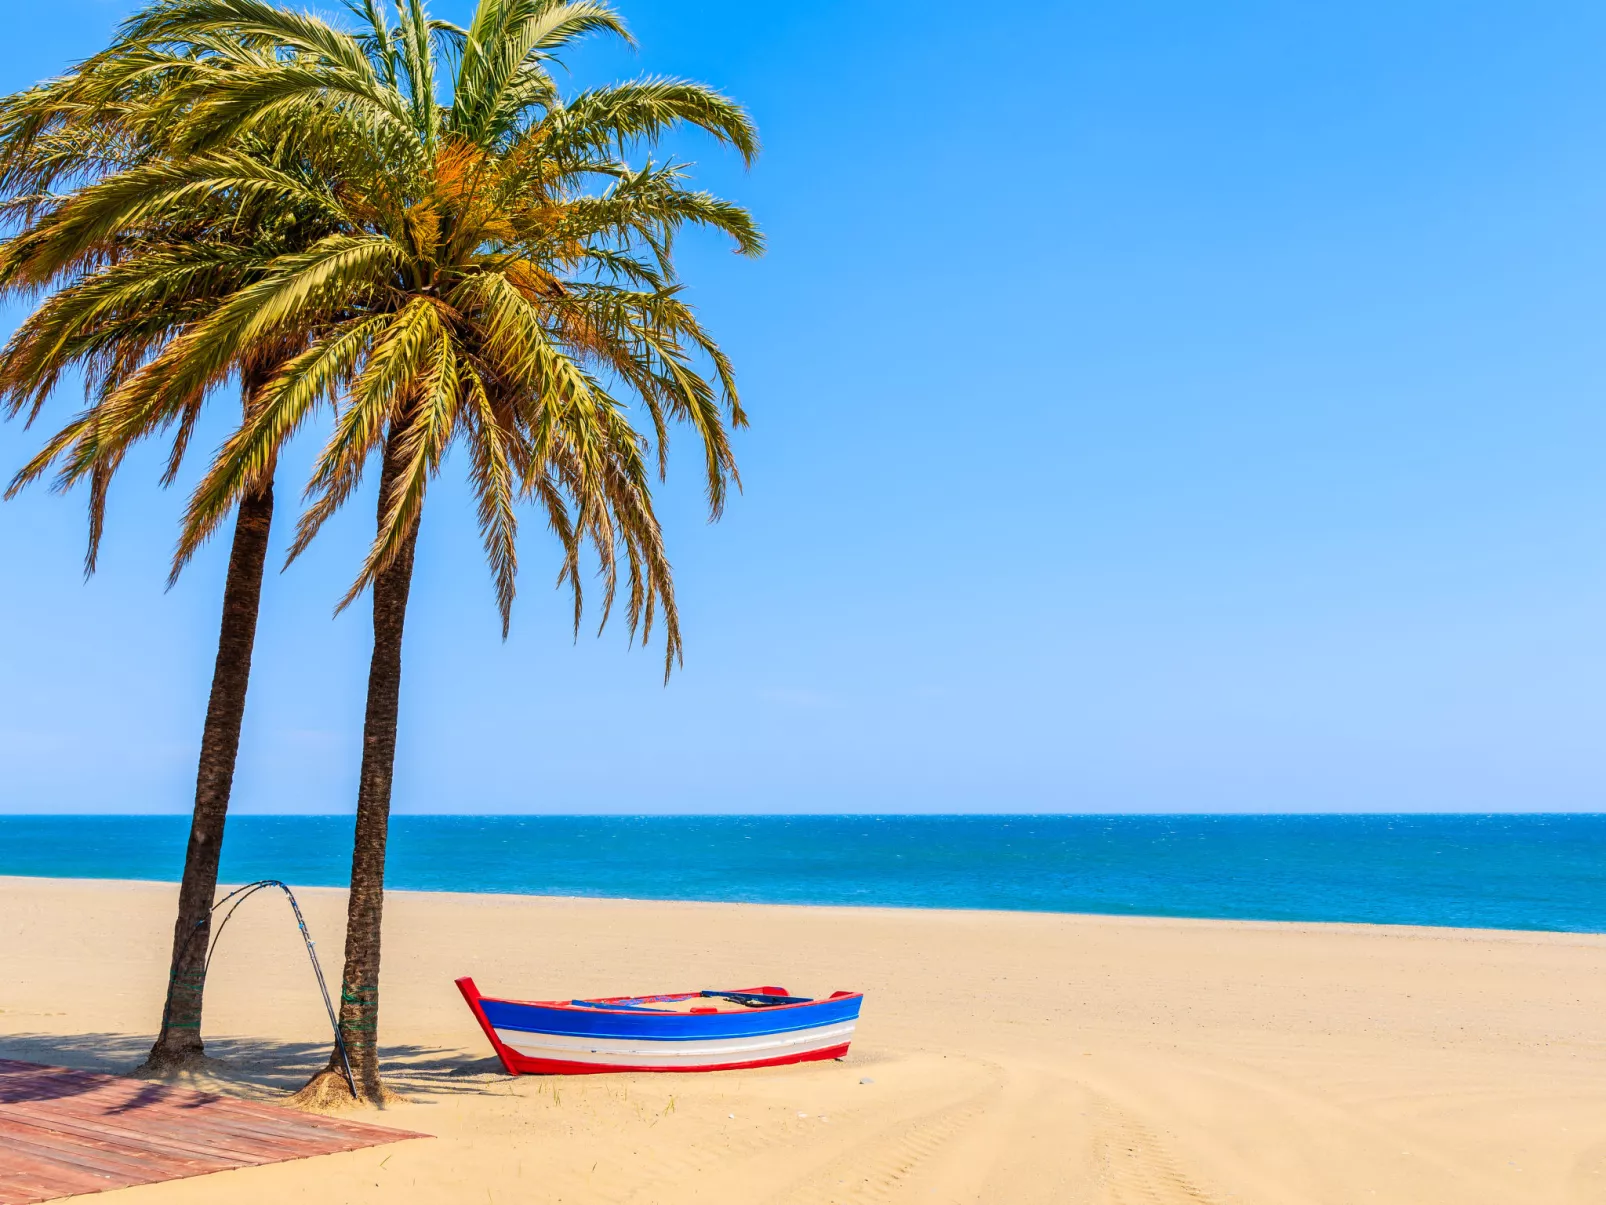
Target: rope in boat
x,y
246,893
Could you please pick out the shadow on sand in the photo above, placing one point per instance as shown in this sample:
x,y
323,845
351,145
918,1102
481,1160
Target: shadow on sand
x,y
257,1069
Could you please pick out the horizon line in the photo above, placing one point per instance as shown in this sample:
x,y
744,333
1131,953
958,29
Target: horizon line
x,y
786,815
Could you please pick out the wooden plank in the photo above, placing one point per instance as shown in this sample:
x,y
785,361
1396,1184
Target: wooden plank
x,y
66,1132
193,1143
162,1143
251,1137
15,1142
234,1115
96,1097
113,1158
242,1117
35,1181
205,1136
29,1190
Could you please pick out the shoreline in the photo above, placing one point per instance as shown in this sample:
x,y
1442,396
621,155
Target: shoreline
x,y
1382,927
1524,873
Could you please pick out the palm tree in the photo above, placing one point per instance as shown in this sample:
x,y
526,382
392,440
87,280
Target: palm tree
x,y
124,291
500,281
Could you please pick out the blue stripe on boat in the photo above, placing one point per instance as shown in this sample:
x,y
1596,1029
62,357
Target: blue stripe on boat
x,y
668,1027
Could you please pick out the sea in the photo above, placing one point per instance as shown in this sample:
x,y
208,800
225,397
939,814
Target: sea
x,y
1484,871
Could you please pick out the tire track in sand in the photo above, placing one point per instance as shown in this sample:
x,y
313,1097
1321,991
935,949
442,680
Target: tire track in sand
x,y
1135,1167
887,1163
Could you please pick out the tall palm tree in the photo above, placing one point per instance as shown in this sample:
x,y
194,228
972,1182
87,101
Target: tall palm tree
x,y
123,291
500,281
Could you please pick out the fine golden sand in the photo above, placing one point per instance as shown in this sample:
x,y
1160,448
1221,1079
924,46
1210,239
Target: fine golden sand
x,y
1001,1057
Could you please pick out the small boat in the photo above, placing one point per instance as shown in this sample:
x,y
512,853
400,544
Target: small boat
x,y
686,1031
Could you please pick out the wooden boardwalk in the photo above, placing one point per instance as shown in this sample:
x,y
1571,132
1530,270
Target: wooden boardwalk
x,y
65,1132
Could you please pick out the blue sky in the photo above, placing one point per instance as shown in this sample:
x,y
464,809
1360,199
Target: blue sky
x,y
1156,407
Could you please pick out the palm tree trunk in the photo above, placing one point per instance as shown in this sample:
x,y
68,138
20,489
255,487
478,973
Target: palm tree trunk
x,y
359,987
180,1038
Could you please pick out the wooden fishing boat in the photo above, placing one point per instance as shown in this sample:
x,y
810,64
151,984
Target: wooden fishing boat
x,y
685,1031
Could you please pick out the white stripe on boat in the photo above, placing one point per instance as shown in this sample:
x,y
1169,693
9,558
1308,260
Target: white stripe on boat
x,y
643,1052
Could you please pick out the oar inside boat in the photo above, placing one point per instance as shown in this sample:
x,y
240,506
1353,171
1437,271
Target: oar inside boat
x,y
708,1030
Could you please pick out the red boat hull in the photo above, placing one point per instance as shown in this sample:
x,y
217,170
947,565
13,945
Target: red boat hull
x,y
518,1064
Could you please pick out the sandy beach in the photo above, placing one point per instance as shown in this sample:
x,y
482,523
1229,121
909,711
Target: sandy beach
x,y
1002,1057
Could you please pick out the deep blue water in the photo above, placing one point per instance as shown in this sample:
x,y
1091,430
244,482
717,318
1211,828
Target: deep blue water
x,y
1512,872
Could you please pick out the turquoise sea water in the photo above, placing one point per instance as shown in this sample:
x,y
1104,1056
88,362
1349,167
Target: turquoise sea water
x,y
1513,872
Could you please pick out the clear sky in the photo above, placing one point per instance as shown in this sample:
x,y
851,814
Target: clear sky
x,y
1156,407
